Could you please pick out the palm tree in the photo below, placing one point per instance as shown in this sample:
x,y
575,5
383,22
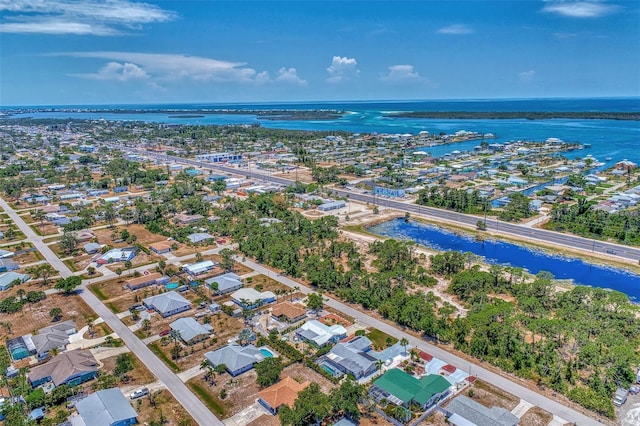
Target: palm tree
x,y
379,365
404,342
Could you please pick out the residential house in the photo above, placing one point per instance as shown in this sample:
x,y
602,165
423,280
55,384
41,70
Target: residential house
x,y
319,334
117,255
237,359
7,279
84,235
226,283
5,254
190,330
146,280
351,357
463,411
7,265
53,337
199,237
289,312
285,392
403,389
167,304
199,268
107,407
71,368
161,247
92,248
185,219
249,298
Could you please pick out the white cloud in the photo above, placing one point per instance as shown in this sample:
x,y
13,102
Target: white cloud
x,y
401,74
290,75
527,76
456,29
95,17
580,9
167,67
342,68
118,72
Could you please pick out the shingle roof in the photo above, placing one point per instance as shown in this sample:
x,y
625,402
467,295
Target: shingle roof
x,y
289,310
284,392
226,281
105,408
235,357
166,302
189,328
55,336
64,365
481,415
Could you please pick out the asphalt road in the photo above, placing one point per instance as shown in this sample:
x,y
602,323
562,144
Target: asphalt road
x,y
514,230
200,413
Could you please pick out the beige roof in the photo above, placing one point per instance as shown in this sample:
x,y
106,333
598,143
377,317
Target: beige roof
x,y
162,245
284,392
64,365
288,309
144,279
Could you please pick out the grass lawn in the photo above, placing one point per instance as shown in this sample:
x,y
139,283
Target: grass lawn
x,y
209,401
380,339
98,292
156,350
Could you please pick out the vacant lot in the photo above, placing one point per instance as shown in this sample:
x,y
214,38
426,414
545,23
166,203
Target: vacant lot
x,y
491,396
35,316
536,416
160,404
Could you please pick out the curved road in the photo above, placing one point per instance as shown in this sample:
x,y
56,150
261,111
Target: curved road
x,y
200,413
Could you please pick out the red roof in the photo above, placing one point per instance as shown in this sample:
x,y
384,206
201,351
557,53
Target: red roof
x,y
449,368
425,356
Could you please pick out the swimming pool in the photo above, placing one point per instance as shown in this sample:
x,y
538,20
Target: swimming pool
x,y
266,353
171,286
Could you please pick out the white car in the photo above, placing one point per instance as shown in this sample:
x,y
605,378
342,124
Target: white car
x,y
138,393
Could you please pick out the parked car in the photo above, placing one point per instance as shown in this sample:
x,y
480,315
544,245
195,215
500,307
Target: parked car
x,y
164,333
634,390
620,397
202,305
138,393
136,307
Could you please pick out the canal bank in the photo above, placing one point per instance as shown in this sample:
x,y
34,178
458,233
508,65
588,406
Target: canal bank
x,y
563,266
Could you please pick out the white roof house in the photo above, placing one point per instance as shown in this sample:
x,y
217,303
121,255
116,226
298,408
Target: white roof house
x,y
191,330
167,304
320,334
251,298
226,282
199,267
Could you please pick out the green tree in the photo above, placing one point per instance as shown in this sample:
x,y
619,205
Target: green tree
x,y
344,399
69,284
268,371
55,313
124,364
310,408
226,261
315,301
68,242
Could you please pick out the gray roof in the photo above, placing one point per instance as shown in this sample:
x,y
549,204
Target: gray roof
x,y
189,328
166,302
481,415
351,356
199,236
226,282
235,357
105,408
64,365
55,336
8,278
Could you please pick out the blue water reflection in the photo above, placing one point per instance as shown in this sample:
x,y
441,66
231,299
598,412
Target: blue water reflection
x,y
501,252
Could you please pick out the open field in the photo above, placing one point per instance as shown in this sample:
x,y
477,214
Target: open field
x,y
491,396
163,405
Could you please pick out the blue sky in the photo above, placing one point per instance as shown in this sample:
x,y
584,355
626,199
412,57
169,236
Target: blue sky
x,y
125,51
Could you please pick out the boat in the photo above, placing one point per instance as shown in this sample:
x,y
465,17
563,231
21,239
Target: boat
x,y
608,159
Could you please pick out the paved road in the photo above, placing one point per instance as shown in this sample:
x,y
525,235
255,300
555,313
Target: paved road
x,y
514,230
179,390
474,369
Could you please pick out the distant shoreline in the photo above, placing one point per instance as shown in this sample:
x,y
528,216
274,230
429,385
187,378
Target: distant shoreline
x,y
527,115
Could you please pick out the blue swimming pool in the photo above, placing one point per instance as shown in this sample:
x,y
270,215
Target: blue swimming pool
x,y
171,286
266,353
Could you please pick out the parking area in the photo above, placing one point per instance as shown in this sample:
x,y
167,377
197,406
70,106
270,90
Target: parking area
x,y
629,412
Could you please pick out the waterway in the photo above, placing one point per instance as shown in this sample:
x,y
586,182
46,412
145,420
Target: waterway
x,y
505,253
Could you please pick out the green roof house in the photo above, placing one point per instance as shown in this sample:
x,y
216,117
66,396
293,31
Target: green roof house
x,y
401,388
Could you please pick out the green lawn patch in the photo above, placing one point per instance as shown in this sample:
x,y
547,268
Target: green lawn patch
x,y
381,339
113,308
98,292
156,350
71,264
209,401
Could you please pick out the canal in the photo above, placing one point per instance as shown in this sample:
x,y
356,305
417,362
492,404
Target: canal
x,y
505,253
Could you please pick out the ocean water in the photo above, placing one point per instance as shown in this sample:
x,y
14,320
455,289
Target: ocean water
x,y
608,138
